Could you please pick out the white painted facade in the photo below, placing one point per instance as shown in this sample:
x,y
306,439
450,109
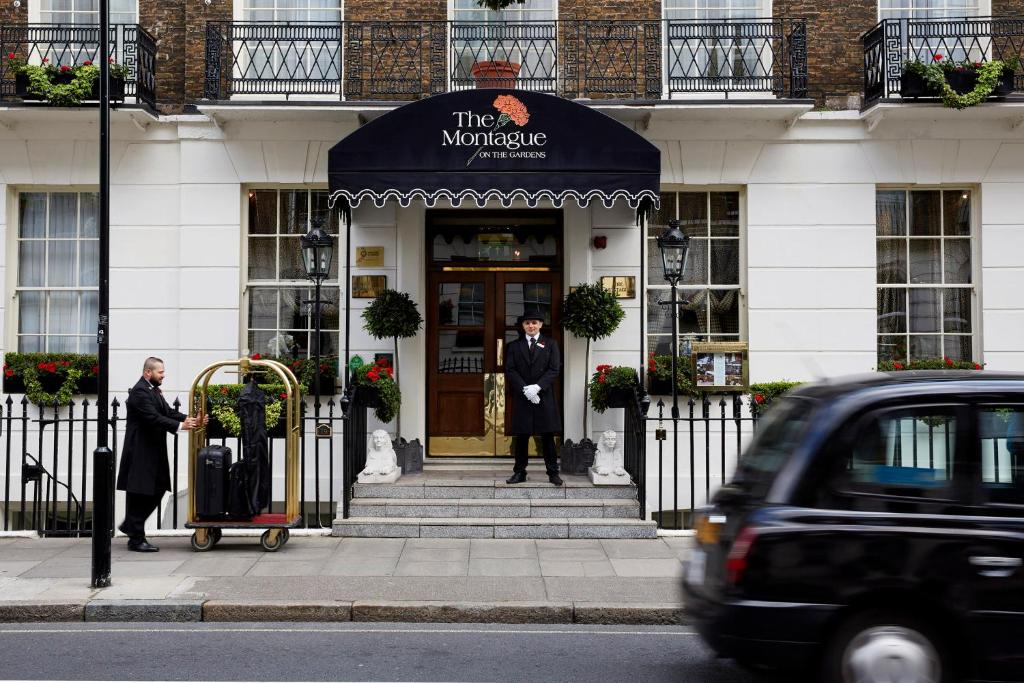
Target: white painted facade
x,y
806,180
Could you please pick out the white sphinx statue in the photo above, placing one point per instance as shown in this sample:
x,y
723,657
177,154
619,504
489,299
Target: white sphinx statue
x,y
608,467
381,461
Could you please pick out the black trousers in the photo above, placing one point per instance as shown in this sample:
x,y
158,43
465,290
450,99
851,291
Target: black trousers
x,y
138,508
521,445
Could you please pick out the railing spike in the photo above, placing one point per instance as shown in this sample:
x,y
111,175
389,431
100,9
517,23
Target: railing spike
x,y
9,401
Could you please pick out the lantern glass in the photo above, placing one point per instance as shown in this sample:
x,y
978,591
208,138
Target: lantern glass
x,y
673,244
317,252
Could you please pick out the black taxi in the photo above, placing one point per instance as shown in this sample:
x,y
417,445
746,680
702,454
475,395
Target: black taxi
x,y
873,531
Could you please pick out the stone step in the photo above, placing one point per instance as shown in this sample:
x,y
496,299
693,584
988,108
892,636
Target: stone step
x,y
481,527
419,486
611,508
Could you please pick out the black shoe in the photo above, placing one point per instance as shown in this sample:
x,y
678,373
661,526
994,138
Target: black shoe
x,y
555,479
142,546
516,478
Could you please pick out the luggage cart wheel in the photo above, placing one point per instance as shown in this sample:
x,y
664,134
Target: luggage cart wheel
x,y
217,535
285,536
276,544
205,544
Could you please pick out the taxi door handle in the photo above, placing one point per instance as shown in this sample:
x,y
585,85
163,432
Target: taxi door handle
x,y
996,567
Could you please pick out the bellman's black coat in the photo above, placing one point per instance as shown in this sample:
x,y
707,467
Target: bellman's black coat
x,y
542,369
144,467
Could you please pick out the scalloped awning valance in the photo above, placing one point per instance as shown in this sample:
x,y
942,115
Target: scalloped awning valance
x,y
500,144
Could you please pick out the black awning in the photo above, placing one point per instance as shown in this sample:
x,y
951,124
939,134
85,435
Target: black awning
x,y
495,144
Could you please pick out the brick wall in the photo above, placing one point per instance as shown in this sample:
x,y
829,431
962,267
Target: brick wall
x,y
197,14
10,16
165,20
397,10
1008,8
835,54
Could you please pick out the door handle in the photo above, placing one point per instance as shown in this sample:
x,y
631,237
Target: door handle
x,y
501,353
996,567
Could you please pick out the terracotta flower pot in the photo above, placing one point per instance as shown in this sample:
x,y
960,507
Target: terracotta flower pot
x,y
495,74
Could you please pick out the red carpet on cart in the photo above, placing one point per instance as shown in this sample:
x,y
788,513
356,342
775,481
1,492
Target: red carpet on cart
x,y
269,519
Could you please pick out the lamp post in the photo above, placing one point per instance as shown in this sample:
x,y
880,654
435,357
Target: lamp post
x,y
317,252
673,245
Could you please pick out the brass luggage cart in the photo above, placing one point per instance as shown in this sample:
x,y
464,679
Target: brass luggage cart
x,y
208,532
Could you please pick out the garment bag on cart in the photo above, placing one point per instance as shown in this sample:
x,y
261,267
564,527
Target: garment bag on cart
x,y
250,476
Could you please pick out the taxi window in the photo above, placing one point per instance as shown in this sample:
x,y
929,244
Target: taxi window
x,y
778,435
1001,436
908,452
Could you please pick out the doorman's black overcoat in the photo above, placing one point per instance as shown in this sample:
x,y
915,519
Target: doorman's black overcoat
x,y
144,467
521,370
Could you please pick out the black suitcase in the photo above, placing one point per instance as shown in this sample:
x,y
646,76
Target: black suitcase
x,y
214,463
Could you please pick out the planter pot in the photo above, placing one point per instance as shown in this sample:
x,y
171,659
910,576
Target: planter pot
x,y
659,387
962,82
215,430
1005,85
577,458
328,386
368,397
622,398
496,74
116,89
914,85
14,385
21,87
88,385
410,455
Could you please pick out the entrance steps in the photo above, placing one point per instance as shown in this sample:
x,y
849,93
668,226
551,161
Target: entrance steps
x,y
479,504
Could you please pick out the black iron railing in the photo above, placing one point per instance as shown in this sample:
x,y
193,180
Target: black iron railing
x,y
399,60
47,473
73,44
893,42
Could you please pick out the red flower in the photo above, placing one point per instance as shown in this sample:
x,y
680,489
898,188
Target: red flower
x,y
382,362
87,62
41,366
977,65
9,373
283,395
897,365
391,373
255,356
602,379
937,57
111,60
64,68
949,362
977,366
11,55
46,60
758,398
95,369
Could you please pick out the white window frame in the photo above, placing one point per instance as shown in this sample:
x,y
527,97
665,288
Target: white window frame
x,y
35,13
650,243
984,8
248,284
974,285
12,317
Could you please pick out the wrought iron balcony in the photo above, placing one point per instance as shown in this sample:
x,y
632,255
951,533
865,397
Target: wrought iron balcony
x,y
894,42
72,45
402,60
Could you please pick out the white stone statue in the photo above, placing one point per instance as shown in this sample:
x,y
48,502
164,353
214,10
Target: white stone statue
x,y
608,469
381,461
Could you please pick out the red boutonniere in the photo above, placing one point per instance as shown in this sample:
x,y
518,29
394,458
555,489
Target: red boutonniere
x,y
540,345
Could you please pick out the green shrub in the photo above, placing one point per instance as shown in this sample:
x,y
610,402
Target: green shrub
x,y
379,377
608,378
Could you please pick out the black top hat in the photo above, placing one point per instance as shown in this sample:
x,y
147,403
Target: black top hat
x,y
530,314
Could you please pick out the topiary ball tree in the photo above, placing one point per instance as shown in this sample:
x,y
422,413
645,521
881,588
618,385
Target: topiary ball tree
x,y
392,315
590,312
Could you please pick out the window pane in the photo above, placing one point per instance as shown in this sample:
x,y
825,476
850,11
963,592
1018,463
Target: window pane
x,y
666,212
62,263
925,212
30,264
32,221
957,347
693,214
294,212
925,263
63,214
524,296
90,208
270,343
659,317
892,348
1001,432
892,261
31,312
460,351
290,259
725,214
892,310
90,312
62,344
262,258
263,308
655,266
695,263
957,310
957,213
891,213
925,310
263,212
31,344
89,268
63,313
294,313
958,261
923,347
320,212
725,262
724,312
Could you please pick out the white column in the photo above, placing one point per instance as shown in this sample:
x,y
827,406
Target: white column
x,y
412,352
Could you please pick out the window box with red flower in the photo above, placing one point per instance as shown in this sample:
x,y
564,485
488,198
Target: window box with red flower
x,y
959,84
222,407
613,387
304,370
64,85
659,372
376,388
46,378
944,363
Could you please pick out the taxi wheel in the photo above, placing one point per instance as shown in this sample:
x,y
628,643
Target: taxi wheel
x,y
271,547
207,544
880,645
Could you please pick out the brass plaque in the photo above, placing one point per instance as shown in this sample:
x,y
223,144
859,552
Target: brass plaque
x,y
622,286
323,431
368,286
369,257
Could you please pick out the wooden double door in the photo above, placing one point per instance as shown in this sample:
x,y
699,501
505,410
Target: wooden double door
x,y
472,316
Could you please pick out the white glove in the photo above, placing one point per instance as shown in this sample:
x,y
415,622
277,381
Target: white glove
x,y
534,389
534,399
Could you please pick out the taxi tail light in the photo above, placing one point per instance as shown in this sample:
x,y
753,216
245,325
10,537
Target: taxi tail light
x,y
736,561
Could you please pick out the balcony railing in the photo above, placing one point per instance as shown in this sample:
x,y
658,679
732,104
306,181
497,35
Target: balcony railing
x,y
894,42
401,60
73,44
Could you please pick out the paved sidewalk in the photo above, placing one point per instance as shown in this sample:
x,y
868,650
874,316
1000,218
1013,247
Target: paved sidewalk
x,y
323,578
